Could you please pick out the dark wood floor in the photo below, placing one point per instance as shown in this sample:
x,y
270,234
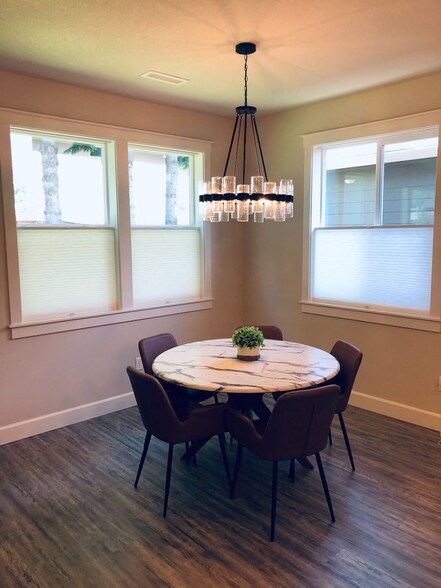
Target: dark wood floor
x,y
71,517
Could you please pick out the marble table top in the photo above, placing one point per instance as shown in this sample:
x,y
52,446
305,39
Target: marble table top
x,y
212,365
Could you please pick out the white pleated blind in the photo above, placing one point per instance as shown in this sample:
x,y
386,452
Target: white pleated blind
x,y
64,272
165,265
375,267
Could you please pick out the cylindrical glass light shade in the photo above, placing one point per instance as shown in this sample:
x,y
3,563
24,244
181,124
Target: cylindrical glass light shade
x,y
256,184
216,191
229,184
242,211
285,186
269,189
289,209
243,191
204,187
205,204
279,205
216,185
229,192
278,211
256,194
205,210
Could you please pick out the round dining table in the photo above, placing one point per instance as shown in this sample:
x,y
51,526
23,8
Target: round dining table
x,y
212,365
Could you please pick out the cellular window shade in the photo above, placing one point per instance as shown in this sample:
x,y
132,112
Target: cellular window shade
x,y
166,265
378,267
65,272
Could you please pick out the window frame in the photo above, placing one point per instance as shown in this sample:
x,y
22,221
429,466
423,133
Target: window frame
x,y
118,191
401,127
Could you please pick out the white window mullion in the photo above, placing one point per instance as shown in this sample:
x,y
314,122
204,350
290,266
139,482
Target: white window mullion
x,y
124,249
379,185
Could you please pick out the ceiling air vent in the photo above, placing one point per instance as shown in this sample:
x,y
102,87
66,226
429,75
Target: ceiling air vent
x,y
163,77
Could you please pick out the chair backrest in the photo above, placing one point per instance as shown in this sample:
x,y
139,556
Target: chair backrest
x,y
151,347
154,405
299,423
271,332
349,357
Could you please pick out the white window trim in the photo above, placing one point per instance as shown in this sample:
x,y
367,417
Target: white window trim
x,y
122,137
361,132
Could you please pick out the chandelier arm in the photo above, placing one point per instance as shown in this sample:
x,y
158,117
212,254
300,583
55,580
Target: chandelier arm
x,y
231,144
253,122
236,155
256,152
244,159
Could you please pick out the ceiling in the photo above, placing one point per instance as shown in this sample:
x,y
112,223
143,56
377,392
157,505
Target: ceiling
x,y
307,50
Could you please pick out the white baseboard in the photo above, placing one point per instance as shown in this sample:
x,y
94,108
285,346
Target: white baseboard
x,y
402,412
48,422
23,429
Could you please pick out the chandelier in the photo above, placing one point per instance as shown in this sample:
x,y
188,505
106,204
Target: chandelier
x,y
223,197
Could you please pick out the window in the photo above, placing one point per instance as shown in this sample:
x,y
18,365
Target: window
x,y
371,220
104,224
160,187
65,233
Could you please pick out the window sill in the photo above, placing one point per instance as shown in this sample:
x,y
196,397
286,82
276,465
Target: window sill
x,y
404,321
46,327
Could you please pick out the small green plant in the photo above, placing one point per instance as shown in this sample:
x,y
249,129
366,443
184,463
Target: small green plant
x,y
251,337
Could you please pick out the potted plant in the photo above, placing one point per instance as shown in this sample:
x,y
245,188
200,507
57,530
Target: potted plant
x,y
248,341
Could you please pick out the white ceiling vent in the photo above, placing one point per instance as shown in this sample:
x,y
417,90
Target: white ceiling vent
x,y
163,77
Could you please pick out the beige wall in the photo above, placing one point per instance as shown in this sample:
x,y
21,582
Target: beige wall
x,y
45,374
399,365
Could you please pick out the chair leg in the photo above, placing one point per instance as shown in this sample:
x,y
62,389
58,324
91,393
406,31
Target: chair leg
x,y
325,485
225,459
292,470
330,436
148,436
274,499
235,483
346,438
168,477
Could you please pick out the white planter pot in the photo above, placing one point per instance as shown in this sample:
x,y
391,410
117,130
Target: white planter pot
x,y
248,354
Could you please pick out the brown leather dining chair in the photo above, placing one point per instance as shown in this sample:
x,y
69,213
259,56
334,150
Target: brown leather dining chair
x,y
271,332
298,427
349,358
160,421
149,349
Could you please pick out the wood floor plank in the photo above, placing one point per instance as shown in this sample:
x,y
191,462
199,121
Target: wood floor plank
x,y
70,516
